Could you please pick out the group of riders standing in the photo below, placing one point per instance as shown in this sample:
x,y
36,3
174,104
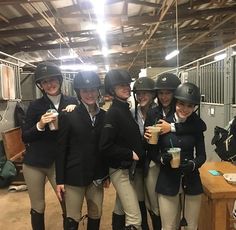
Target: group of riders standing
x,y
93,148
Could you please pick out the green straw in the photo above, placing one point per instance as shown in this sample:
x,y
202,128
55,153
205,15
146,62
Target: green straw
x,y
156,121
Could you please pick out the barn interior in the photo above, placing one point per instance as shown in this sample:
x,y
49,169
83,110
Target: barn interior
x,y
195,39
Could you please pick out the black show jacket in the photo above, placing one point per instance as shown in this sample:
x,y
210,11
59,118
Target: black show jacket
x,y
192,148
41,146
79,161
120,136
193,125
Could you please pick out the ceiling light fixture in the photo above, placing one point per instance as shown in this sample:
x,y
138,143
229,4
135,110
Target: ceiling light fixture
x,y
76,67
68,57
101,30
107,67
172,54
105,51
98,7
220,57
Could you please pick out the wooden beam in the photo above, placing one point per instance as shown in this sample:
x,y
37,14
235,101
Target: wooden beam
x,y
165,7
17,2
144,3
157,39
211,30
73,11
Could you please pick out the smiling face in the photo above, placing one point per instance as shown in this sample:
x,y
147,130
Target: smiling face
x,y
184,109
89,96
122,91
50,86
144,98
165,97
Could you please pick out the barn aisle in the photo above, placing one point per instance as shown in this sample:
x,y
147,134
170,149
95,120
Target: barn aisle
x,y
14,209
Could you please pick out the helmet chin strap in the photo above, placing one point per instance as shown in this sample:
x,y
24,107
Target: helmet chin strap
x,y
39,87
196,109
43,92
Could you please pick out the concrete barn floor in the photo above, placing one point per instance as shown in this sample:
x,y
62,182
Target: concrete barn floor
x,y
14,210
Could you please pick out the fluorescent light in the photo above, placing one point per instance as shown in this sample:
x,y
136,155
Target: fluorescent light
x,y
143,73
220,57
72,54
107,67
102,30
172,54
98,7
79,67
68,57
105,51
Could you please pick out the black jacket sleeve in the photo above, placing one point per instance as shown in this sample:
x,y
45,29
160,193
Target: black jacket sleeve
x,y
62,145
193,124
108,142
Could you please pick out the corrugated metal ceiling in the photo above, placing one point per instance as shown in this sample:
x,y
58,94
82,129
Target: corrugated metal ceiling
x,y
140,33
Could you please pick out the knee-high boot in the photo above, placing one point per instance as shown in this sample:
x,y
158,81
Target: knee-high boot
x,y
37,220
93,224
156,221
64,221
118,221
71,224
130,227
143,211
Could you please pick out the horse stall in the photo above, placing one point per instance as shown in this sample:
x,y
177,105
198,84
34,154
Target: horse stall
x,y
216,80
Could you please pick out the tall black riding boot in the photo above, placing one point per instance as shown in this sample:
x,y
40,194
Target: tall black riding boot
x,y
93,224
143,211
156,221
37,220
130,227
71,224
118,221
64,221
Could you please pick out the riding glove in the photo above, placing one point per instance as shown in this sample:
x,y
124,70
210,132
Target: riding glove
x,y
188,166
166,158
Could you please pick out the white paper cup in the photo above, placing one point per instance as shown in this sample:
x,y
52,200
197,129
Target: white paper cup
x,y
53,125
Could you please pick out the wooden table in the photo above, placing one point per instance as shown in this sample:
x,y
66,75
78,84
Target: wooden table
x,y
218,196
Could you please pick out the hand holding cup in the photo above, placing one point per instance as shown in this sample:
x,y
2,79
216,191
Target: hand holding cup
x,y
166,158
175,152
53,115
153,132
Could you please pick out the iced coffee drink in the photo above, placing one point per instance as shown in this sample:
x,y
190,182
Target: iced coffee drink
x,y
154,131
175,152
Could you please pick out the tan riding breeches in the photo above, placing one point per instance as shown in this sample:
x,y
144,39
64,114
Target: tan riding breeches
x,y
74,198
170,209
128,197
35,179
151,200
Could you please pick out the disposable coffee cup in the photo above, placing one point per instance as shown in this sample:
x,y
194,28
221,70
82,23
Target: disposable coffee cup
x,y
155,131
53,125
175,152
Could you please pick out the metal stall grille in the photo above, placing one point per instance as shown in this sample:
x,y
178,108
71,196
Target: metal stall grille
x,y
192,75
67,86
217,83
234,78
211,82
